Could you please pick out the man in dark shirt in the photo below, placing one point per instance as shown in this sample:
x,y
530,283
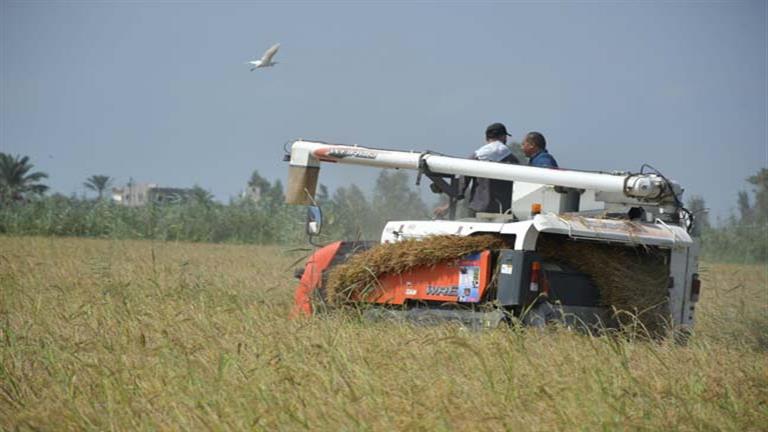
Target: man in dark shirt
x,y
535,148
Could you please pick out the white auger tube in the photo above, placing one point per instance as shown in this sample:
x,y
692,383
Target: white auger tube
x,y
307,155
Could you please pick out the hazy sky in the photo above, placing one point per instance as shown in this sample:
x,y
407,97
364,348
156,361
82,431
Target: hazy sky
x,y
159,91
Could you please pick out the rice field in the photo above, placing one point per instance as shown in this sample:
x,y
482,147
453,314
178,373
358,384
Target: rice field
x,y
141,335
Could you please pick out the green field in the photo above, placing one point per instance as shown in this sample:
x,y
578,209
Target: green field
x,y
126,335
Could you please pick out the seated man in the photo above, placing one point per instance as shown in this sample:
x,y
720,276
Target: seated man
x,y
535,148
487,195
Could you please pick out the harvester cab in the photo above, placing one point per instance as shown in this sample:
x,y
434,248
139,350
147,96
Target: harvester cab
x,y
592,249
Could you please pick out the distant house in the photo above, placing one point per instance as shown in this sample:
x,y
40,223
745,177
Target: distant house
x,y
165,195
140,194
252,193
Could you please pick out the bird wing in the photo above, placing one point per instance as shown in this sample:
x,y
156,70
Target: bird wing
x,y
267,57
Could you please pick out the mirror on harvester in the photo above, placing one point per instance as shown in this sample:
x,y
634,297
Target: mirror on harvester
x,y
314,220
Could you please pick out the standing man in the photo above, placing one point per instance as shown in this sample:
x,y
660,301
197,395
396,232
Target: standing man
x,y
489,195
535,148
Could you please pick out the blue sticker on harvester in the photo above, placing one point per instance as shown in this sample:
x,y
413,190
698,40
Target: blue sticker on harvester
x,y
469,284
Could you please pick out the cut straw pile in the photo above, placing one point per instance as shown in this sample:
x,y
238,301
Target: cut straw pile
x,y
360,273
630,279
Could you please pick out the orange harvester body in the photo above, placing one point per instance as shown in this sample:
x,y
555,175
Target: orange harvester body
x,y
462,281
312,278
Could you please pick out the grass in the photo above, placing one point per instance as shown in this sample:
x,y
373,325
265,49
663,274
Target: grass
x,y
126,335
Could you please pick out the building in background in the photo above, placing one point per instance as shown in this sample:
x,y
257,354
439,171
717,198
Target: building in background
x,y
252,192
140,194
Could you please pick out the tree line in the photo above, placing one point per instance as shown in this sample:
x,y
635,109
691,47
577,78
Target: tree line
x,y
743,237
26,209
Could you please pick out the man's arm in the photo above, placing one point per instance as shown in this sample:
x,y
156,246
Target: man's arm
x,y
463,184
464,181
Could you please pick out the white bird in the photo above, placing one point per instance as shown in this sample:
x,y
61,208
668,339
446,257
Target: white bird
x,y
266,59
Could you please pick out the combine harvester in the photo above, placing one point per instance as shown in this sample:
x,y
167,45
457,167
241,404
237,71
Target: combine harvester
x,y
576,247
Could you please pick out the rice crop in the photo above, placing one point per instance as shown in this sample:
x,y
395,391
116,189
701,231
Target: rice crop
x,y
147,335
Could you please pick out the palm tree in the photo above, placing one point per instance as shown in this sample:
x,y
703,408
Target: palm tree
x,y
16,180
98,184
201,196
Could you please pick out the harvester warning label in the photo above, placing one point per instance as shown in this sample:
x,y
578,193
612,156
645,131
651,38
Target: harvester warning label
x,y
469,284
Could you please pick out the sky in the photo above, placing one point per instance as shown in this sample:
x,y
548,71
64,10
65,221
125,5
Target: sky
x,y
159,91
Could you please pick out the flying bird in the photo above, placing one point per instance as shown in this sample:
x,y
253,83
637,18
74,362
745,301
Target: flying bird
x,y
266,59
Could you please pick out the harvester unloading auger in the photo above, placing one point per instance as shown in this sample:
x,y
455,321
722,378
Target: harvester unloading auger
x,y
600,249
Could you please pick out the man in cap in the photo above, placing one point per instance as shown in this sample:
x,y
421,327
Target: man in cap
x,y
488,195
